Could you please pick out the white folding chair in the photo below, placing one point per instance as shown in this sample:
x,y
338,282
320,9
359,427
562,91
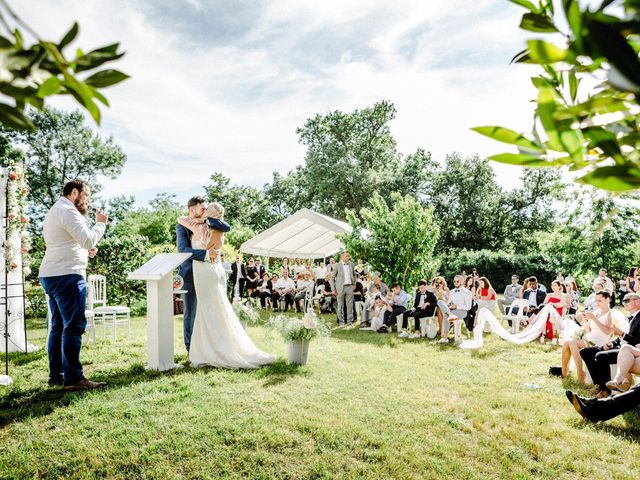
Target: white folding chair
x,y
426,329
109,315
90,329
515,313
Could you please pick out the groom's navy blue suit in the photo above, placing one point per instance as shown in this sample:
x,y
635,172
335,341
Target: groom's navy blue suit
x,y
190,300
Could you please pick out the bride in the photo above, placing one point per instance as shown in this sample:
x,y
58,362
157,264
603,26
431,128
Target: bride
x,y
218,338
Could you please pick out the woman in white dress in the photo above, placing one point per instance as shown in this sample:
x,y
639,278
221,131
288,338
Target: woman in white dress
x,y
218,338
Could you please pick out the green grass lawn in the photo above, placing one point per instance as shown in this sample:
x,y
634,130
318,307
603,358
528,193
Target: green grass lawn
x,y
367,405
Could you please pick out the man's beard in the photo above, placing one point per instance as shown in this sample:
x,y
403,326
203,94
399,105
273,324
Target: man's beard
x,y
81,208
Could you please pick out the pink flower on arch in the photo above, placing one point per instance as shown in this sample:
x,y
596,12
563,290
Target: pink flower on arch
x,y
24,219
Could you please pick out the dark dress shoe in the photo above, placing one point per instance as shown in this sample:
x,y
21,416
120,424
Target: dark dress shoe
x,y
55,383
84,384
582,406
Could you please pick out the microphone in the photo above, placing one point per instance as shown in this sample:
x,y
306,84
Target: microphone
x,y
96,209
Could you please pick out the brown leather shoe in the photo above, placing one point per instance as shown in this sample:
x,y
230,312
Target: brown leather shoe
x,y
84,384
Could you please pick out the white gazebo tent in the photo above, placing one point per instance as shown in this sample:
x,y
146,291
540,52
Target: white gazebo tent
x,y
305,234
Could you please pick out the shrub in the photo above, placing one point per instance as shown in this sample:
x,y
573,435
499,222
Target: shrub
x,y
117,256
498,266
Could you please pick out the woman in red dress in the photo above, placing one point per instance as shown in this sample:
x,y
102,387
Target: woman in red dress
x,y
558,298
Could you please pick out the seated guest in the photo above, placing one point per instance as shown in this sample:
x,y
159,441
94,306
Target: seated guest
x,y
264,289
441,291
598,327
328,296
560,302
321,273
297,268
535,296
399,303
608,284
424,305
377,313
470,284
573,297
590,302
284,288
598,359
304,285
485,295
603,409
511,292
456,307
377,281
628,363
369,304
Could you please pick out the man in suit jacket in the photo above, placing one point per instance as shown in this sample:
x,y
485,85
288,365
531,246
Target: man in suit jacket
x,y
599,359
534,295
424,305
183,239
236,279
345,280
261,269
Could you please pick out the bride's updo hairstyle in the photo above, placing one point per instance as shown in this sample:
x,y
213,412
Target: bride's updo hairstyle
x,y
214,210
214,213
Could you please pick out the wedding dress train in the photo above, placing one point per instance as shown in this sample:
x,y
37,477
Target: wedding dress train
x,y
218,338
566,327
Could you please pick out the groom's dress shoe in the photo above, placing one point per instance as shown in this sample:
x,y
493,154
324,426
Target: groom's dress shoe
x,y
582,405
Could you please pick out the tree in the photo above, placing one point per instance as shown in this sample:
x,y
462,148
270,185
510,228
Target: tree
x,y
32,73
157,222
243,205
62,148
576,125
398,242
350,155
468,204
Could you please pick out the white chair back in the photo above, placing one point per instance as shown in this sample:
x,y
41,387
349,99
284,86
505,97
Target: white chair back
x,y
519,304
97,296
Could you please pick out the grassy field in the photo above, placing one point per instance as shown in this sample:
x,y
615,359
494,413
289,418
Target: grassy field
x,y
366,406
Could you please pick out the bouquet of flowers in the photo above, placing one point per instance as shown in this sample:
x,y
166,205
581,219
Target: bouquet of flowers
x,y
305,328
246,313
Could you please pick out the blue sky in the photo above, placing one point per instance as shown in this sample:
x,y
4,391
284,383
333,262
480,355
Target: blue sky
x,y
222,85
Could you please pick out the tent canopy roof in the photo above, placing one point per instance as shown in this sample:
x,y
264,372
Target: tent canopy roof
x,y
305,234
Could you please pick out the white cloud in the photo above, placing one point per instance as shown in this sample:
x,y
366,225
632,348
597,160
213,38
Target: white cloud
x,y
195,106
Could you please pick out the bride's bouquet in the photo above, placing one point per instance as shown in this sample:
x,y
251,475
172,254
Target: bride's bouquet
x,y
305,328
245,313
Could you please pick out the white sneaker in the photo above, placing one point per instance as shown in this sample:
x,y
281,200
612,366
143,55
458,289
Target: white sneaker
x,y
444,340
404,334
415,335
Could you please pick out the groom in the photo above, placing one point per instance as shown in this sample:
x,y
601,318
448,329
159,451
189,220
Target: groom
x,y
196,207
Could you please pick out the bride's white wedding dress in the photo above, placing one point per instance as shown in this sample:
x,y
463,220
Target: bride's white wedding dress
x,y
218,338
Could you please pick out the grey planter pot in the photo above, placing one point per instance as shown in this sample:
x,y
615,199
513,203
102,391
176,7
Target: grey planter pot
x,y
298,351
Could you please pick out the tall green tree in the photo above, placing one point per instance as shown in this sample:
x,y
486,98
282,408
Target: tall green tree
x,y
351,155
243,205
398,241
156,222
61,148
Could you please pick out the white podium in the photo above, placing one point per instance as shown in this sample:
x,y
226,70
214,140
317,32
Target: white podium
x,y
158,273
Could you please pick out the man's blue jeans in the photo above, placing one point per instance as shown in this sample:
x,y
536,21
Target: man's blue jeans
x,y
190,304
67,302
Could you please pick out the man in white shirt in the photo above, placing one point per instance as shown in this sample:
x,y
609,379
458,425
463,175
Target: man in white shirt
x,y
284,288
68,244
399,303
458,306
